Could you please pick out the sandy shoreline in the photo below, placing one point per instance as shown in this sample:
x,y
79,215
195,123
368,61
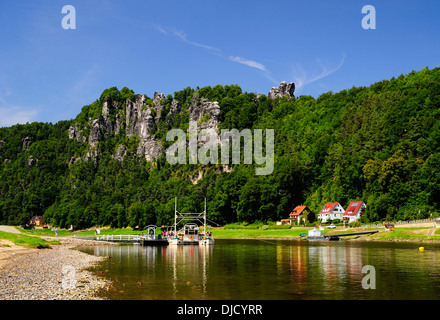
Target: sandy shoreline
x,y
49,274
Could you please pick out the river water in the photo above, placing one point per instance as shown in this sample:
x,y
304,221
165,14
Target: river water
x,y
272,270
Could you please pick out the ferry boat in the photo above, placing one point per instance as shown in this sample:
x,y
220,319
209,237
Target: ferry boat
x,y
191,235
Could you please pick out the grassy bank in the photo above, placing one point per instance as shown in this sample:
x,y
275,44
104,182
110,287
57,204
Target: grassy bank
x,y
409,234
222,233
400,234
68,233
26,240
257,231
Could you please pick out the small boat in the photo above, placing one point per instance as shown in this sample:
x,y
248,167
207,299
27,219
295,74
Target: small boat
x,y
315,235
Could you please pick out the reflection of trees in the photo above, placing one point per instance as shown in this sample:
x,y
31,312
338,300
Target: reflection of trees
x,y
254,270
188,266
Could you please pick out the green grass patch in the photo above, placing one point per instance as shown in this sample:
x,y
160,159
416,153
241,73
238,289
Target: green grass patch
x,y
249,233
90,232
46,232
257,225
26,241
116,231
409,234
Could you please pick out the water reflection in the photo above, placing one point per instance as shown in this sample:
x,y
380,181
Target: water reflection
x,y
174,271
188,262
233,269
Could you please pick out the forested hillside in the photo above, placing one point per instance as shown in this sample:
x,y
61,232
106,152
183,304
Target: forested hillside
x,y
380,144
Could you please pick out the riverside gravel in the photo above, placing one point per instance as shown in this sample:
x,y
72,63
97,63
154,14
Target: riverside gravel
x,y
52,274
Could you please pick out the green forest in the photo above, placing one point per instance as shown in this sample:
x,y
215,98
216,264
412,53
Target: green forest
x,y
379,144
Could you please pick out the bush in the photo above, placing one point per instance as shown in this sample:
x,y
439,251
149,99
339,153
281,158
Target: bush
x,y
355,224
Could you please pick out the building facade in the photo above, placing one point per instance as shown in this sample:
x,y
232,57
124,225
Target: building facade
x,y
331,211
354,211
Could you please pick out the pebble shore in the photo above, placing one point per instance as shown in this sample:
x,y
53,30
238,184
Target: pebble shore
x,y
52,274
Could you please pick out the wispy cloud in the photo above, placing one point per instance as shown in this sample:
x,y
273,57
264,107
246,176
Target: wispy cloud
x,y
85,81
256,65
250,63
181,35
12,115
160,29
302,78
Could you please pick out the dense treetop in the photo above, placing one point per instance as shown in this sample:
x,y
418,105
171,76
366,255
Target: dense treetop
x,y
380,144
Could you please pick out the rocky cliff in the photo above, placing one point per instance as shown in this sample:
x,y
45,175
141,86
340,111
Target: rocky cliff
x,y
140,117
282,90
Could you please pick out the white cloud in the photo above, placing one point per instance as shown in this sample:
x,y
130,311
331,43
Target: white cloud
x,y
85,81
302,78
250,63
13,115
160,29
181,35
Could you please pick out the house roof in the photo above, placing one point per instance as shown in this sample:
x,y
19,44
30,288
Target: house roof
x,y
328,207
353,208
297,211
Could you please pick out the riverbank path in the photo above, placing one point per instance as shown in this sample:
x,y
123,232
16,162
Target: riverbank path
x,y
9,229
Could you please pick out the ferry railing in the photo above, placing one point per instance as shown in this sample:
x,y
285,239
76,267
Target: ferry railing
x,y
119,237
134,237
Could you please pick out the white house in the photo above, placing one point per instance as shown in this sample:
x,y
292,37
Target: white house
x,y
354,211
331,211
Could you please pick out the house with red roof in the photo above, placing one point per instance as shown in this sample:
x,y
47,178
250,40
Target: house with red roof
x,y
331,211
354,211
300,213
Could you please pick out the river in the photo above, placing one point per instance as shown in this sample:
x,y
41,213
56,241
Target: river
x,y
272,270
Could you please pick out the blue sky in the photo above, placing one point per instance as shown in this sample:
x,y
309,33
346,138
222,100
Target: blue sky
x,y
48,73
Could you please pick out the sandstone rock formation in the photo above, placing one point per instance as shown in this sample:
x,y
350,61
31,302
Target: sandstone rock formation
x,y
26,143
283,90
136,118
141,117
31,161
204,112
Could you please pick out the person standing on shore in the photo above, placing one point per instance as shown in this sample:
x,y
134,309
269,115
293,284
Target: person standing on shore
x,y
56,232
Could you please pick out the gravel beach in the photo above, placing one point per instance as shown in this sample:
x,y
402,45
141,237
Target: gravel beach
x,y
50,274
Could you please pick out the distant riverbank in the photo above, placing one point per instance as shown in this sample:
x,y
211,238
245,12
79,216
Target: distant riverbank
x,y
415,234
